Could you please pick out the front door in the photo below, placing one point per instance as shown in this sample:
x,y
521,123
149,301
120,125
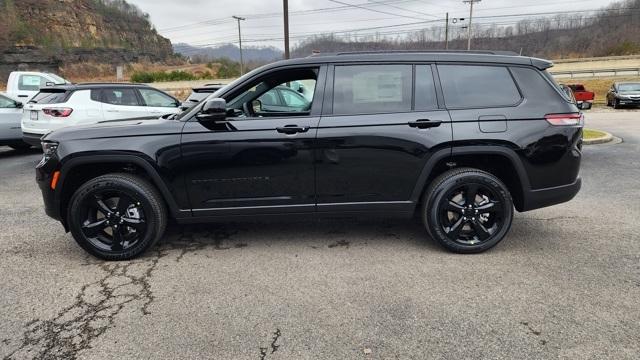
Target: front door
x,y
384,124
255,162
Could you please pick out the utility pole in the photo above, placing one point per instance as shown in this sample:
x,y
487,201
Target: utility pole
x,y
240,42
286,28
470,2
446,34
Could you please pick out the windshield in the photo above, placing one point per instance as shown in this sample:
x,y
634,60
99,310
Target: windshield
x,y
629,87
57,79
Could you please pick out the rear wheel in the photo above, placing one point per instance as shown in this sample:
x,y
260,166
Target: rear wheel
x,y
467,210
117,216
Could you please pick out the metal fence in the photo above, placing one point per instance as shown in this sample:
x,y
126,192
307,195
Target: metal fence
x,y
597,72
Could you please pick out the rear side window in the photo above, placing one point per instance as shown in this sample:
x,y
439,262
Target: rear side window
x,y
370,89
474,86
31,82
51,97
425,88
117,96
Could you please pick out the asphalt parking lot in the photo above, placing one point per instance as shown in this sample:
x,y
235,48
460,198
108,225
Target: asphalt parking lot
x,y
564,284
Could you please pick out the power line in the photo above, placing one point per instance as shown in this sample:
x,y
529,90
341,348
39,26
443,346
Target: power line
x,y
374,10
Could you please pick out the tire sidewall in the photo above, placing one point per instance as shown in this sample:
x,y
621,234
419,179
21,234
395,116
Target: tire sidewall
x,y
76,216
432,216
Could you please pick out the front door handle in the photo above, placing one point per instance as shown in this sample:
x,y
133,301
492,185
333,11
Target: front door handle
x,y
292,129
425,123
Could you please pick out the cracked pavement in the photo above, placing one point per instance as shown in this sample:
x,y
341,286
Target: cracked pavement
x,y
564,284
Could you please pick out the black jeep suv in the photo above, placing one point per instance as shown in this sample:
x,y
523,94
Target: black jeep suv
x,y
457,139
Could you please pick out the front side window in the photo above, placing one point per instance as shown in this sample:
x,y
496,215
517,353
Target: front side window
x,y
370,89
284,93
31,82
123,97
475,86
6,103
157,99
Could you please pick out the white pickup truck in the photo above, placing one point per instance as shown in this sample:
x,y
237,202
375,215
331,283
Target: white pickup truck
x,y
24,85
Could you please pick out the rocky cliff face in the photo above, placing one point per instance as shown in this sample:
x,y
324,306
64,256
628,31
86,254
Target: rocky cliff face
x,y
46,34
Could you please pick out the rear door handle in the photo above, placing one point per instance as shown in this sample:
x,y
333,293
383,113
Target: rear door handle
x,y
425,123
292,129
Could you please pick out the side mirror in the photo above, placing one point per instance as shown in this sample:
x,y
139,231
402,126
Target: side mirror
x,y
257,106
19,105
585,105
213,110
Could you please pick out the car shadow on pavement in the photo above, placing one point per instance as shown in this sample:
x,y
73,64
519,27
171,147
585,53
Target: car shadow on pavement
x,y
7,152
316,234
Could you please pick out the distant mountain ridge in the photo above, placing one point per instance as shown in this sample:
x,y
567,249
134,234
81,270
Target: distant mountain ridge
x,y
230,51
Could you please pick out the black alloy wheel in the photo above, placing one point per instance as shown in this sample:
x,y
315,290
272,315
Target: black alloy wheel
x,y
467,210
113,221
117,216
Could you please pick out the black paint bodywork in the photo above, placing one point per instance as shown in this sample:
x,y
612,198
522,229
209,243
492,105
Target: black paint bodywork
x,y
374,163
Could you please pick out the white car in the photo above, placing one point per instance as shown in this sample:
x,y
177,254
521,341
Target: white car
x,y
24,85
69,105
10,115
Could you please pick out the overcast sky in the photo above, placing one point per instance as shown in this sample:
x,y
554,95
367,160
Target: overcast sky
x,y
209,23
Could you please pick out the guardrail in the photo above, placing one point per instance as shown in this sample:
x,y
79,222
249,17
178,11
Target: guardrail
x,y
597,72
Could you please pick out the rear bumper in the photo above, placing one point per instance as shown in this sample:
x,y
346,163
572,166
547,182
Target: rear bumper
x,y
536,199
32,139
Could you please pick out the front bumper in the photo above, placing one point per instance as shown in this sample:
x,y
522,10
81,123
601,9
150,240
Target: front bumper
x,y
536,199
44,175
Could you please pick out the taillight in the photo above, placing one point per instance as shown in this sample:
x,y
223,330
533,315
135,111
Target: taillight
x,y
564,119
58,112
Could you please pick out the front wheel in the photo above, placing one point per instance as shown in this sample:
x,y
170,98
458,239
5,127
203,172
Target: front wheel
x,y
116,216
467,210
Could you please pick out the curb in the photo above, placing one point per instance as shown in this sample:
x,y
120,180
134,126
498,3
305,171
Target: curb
x,y
600,140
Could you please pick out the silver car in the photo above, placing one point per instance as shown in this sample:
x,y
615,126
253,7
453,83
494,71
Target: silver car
x,y
10,131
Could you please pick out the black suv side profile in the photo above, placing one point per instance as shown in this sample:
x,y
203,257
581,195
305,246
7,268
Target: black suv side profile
x,y
458,139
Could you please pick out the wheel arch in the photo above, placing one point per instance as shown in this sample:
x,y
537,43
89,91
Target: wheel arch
x,y
500,161
77,171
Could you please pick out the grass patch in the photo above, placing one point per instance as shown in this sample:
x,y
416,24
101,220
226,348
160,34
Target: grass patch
x,y
590,134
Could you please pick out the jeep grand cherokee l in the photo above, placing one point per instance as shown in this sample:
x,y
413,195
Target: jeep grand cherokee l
x,y
458,139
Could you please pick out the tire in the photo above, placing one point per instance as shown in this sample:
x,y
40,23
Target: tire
x,y
479,228
117,216
20,146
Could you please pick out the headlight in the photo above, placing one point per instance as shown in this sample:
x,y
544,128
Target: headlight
x,y
49,147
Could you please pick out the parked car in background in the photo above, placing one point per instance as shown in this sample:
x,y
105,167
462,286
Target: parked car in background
x,y
399,134
10,115
24,85
68,105
624,94
584,98
200,93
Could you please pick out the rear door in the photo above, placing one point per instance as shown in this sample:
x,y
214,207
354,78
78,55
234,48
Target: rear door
x,y
380,126
121,103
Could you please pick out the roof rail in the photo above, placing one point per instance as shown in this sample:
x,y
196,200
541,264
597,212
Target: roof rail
x,y
479,52
111,83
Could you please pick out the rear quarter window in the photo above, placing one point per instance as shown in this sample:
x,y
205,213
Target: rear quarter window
x,y
539,86
478,86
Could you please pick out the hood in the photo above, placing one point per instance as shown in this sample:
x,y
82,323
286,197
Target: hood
x,y
143,126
